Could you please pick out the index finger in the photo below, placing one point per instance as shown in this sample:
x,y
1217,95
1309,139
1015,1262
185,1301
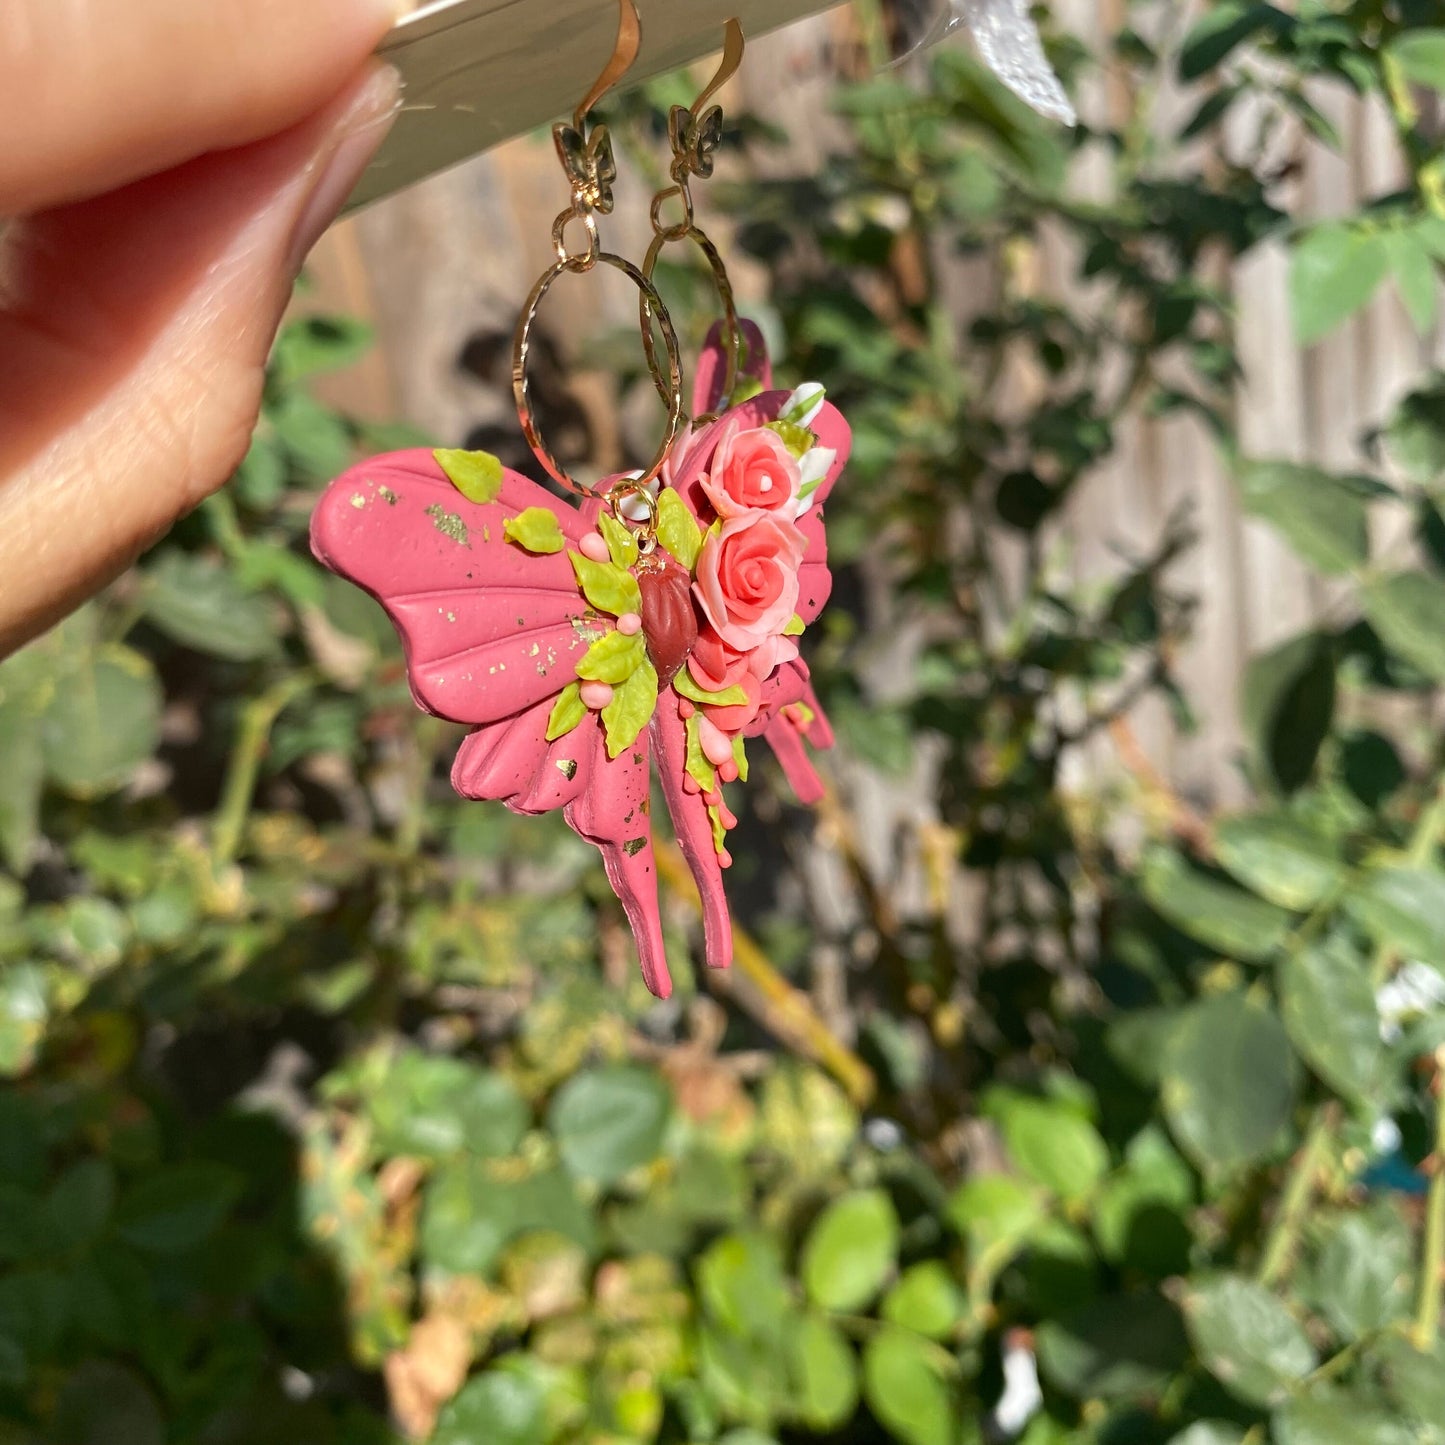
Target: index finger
x,y
94,94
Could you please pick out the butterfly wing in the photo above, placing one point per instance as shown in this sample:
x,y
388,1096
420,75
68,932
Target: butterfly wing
x,y
488,629
692,828
753,366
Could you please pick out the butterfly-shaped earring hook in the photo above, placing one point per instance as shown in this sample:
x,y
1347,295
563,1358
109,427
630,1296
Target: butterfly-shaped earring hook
x,y
695,141
586,154
590,164
695,133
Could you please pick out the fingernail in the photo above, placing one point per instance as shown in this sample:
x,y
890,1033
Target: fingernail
x,y
343,156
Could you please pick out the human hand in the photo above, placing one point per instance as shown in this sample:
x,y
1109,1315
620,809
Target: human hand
x,y
166,165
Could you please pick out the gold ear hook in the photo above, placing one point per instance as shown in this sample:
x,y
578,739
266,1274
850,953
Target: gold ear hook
x,y
732,58
695,135
586,156
629,42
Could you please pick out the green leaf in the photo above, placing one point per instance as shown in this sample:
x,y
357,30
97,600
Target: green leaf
x,y
1407,609
24,1013
687,687
633,703
1216,913
79,1204
850,1251
499,1407
1323,517
926,1299
430,1106
613,658
1246,1338
467,1217
172,1210
1414,1379
1220,31
824,1373
1288,707
567,711
1361,1278
995,1212
318,441
1413,268
620,538
103,1403
1334,269
742,1286
740,757
1229,1082
904,1391
1278,858
319,343
1420,54
798,439
260,480
470,1214
696,764
104,722
1403,909
1051,1144
1116,1347
1416,431
609,1121
1328,1004
199,603
677,528
21,783
1139,1215
478,476
1370,766
606,587
1331,1416
1209,1432
535,530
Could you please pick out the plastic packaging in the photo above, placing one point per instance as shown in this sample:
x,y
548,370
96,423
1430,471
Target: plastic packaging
x,y
1007,39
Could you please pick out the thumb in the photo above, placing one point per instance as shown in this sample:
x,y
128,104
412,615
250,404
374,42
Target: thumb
x,y
134,331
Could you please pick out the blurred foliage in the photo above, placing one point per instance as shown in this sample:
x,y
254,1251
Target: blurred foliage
x,y
334,1110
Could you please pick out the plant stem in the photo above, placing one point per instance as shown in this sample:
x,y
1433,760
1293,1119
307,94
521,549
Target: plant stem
x,y
1429,828
789,1014
1284,1233
1432,1267
257,719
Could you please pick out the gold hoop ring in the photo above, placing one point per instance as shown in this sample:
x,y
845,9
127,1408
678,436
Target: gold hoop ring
x,y
725,294
669,388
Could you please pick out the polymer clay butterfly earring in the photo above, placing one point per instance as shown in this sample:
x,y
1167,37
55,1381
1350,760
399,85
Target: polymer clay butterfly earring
x,y
653,622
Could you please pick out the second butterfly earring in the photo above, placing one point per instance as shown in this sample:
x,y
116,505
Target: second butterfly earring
x,y
656,621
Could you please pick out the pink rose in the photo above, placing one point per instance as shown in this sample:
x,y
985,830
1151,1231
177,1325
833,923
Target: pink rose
x,y
751,471
716,667
747,578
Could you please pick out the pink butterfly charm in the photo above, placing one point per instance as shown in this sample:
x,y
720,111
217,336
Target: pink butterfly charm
x,y
579,662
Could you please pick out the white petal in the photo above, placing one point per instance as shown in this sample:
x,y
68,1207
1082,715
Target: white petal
x,y
804,404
